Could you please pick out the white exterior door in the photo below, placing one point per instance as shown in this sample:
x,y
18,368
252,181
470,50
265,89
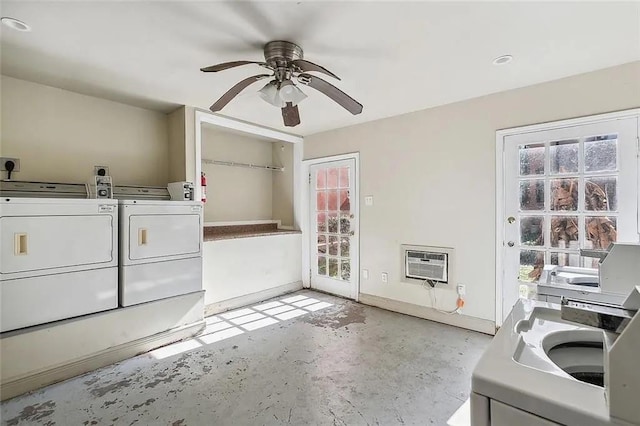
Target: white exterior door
x,y
566,189
333,207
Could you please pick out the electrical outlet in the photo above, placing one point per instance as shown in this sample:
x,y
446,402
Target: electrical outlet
x,y
368,200
365,274
462,289
16,161
101,170
385,277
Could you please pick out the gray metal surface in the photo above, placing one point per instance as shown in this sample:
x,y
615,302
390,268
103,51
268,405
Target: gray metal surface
x,y
344,364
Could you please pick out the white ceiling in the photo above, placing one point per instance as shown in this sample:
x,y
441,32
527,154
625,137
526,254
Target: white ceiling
x,y
394,57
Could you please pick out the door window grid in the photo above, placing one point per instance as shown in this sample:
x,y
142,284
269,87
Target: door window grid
x,y
334,222
577,179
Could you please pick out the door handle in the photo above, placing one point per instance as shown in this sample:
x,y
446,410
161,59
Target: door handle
x,y
352,233
511,244
511,219
142,237
20,242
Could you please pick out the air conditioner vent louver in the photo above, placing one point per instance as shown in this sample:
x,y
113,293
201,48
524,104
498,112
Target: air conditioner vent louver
x,y
425,265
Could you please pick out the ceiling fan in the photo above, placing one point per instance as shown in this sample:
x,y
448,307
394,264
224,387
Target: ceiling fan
x,y
285,60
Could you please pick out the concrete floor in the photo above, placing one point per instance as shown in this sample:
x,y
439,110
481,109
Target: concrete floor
x,y
304,358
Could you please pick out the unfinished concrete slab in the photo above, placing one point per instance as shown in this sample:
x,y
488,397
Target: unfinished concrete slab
x,y
304,358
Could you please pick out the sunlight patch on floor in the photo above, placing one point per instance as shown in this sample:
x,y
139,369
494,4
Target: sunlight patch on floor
x,y
233,323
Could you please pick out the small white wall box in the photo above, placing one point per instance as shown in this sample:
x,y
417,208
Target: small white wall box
x,y
420,263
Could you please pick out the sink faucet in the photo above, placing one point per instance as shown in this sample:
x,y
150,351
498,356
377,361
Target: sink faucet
x,y
605,317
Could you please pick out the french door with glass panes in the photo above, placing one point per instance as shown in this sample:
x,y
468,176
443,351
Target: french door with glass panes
x,y
566,189
334,239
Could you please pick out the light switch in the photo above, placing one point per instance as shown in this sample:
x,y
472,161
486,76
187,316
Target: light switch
x,y
365,274
368,200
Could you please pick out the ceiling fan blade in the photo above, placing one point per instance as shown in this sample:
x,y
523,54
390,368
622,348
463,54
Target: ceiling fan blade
x,y
290,115
307,66
344,100
226,65
233,92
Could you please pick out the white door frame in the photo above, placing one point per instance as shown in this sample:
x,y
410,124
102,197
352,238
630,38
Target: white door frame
x,y
304,223
500,191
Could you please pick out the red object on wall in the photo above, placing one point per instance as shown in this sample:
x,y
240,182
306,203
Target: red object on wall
x,y
203,183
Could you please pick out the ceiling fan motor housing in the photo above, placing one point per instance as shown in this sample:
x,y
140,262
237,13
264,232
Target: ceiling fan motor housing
x,y
279,54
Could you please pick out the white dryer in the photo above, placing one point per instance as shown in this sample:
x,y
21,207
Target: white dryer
x,y
160,249
58,259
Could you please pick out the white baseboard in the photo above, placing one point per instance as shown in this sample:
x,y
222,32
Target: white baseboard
x,y
103,358
237,302
462,321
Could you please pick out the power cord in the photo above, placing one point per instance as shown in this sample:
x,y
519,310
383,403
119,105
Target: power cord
x,y
434,299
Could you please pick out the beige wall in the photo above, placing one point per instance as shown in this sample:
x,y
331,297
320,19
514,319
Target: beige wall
x,y
236,193
283,183
60,135
432,175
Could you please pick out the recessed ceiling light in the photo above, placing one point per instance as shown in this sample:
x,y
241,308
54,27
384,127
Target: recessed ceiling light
x,y
501,60
15,24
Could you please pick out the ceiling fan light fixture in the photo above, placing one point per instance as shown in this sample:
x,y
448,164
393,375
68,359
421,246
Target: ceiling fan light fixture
x,y
290,93
269,93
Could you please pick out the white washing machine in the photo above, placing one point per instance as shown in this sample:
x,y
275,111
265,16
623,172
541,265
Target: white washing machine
x,y
160,249
58,259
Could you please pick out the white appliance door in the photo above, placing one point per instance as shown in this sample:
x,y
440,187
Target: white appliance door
x,y
40,243
165,235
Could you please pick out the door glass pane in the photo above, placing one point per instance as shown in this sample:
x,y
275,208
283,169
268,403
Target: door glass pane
x,y
333,268
344,177
322,244
344,246
322,265
332,178
333,200
532,159
564,232
564,194
563,156
321,200
322,222
321,179
601,194
345,269
600,153
345,203
532,230
345,224
600,232
565,259
332,220
333,245
532,194
531,265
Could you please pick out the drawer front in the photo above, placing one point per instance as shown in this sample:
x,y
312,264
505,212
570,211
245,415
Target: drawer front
x,y
156,236
36,243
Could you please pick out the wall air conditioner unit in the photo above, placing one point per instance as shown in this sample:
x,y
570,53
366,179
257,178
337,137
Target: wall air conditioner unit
x,y
426,263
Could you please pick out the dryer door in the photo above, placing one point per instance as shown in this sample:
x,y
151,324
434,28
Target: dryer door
x,y
164,236
48,243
